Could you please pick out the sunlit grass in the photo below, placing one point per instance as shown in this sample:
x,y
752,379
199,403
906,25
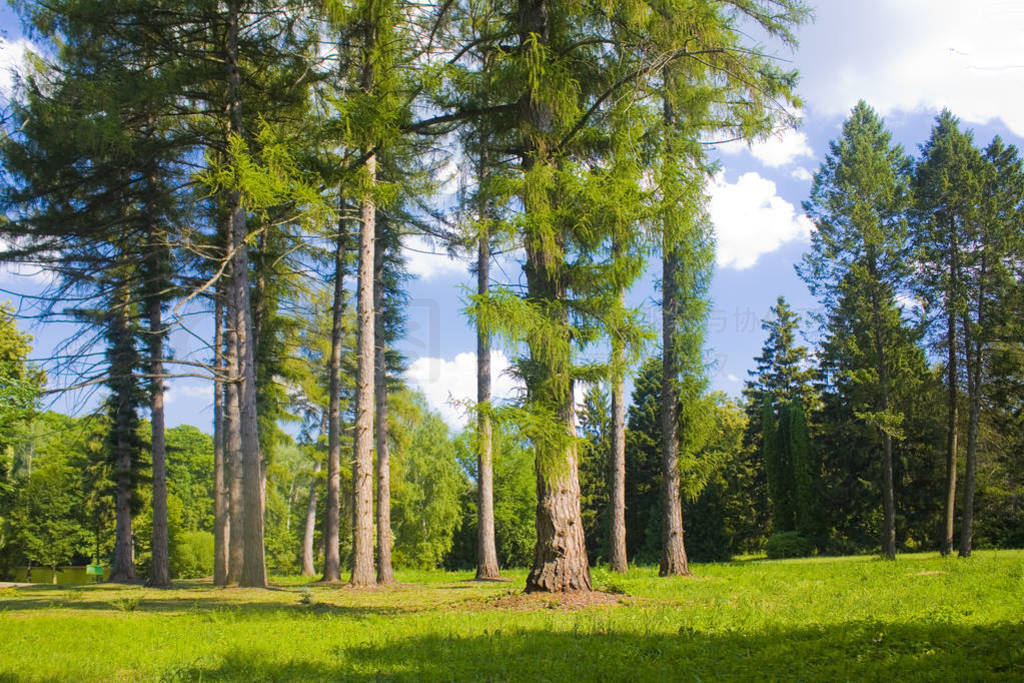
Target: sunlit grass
x,y
922,617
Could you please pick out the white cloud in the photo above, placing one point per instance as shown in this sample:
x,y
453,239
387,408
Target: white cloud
x,y
780,149
12,58
202,393
11,271
802,174
426,261
907,55
751,220
450,386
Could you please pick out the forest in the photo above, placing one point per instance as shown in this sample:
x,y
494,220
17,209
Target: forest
x,y
249,172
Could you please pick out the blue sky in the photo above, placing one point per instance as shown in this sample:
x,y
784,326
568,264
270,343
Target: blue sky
x,y
906,58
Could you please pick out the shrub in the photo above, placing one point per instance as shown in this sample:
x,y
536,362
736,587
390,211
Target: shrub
x,y
787,544
192,555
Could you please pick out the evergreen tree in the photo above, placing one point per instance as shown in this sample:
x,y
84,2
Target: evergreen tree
x,y
858,263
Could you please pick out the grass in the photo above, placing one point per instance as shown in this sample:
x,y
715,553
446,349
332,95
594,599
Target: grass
x,y
919,618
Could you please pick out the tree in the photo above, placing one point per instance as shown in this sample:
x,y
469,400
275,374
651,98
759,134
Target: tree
x,y
858,263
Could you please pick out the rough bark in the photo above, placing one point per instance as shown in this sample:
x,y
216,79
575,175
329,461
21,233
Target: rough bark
x,y
310,529
673,550
332,559
254,571
362,464
160,573
221,528
975,368
385,572
486,547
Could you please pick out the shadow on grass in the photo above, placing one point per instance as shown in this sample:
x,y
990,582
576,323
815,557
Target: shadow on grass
x,y
853,651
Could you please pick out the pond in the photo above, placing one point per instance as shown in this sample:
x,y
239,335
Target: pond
x,y
65,575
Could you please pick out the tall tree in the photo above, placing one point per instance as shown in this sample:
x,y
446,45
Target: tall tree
x,y
857,264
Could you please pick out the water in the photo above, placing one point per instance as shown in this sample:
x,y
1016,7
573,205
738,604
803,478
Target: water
x,y
65,577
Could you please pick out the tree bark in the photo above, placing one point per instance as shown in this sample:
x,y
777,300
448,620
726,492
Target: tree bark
x,y
221,528
673,549
123,565
486,548
160,573
888,540
233,450
385,572
310,529
362,466
975,369
332,540
254,571
953,401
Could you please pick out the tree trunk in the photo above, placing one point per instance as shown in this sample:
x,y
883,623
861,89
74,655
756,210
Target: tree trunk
x,y
233,451
254,571
160,573
307,536
122,352
486,548
952,407
975,368
673,549
332,540
617,516
560,557
888,540
362,465
221,528
385,572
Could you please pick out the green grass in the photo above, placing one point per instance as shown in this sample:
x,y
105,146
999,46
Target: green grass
x,y
919,618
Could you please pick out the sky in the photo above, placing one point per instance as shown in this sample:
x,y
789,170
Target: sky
x,y
908,59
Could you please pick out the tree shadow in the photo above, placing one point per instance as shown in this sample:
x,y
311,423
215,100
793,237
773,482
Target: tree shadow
x,y
853,651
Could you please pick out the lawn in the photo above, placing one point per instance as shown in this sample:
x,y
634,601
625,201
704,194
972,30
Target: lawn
x,y
919,618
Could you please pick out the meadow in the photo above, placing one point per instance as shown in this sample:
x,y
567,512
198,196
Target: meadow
x,y
919,618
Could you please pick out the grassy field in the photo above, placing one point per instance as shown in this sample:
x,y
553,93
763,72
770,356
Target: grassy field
x,y
920,618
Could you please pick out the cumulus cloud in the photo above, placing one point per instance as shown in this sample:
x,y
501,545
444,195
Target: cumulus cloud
x,y
802,174
779,149
907,55
450,385
192,393
751,219
426,261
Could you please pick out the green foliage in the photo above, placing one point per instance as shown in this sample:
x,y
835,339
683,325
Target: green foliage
x,y
192,555
785,544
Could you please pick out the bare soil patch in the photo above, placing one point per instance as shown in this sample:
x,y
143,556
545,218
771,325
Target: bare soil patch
x,y
558,601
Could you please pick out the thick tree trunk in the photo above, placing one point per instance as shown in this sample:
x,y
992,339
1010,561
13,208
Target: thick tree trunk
x,y
888,540
310,529
362,465
385,572
254,571
486,547
617,516
221,528
122,353
160,573
332,540
673,549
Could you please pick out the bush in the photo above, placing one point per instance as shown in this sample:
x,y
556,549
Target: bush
x,y
192,555
788,544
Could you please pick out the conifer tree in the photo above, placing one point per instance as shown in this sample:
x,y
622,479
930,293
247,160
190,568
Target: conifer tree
x,y
857,264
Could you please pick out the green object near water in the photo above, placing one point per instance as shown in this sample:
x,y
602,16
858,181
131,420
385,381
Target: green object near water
x,y
94,570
